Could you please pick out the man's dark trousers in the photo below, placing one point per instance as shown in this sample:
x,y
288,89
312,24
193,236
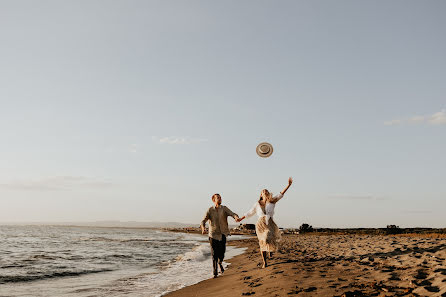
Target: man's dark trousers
x,y
218,248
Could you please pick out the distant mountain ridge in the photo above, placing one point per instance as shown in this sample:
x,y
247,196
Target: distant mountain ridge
x,y
128,224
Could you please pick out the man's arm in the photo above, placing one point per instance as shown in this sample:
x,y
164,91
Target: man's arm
x,y
203,222
230,213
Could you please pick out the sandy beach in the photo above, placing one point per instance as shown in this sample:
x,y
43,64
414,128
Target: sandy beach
x,y
334,265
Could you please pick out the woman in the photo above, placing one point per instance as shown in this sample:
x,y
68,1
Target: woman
x,y
267,231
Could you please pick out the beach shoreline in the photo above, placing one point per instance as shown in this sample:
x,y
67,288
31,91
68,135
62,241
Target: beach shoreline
x,y
333,265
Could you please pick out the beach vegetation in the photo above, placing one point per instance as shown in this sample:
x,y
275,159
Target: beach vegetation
x,y
304,228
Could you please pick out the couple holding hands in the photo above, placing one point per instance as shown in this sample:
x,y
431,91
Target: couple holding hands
x,y
267,231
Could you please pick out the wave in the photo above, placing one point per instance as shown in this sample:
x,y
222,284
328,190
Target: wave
x,y
199,253
28,278
187,269
148,240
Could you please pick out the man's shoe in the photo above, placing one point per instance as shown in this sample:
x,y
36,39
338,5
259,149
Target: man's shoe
x,y
215,276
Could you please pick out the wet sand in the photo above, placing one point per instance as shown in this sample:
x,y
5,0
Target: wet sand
x,y
334,265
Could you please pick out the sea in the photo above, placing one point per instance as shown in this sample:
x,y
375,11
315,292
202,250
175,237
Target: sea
x,y
95,261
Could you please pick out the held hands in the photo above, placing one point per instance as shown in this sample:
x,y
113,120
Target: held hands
x,y
240,219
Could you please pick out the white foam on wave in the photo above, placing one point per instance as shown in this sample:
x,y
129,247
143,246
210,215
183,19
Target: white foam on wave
x,y
200,253
193,267
188,269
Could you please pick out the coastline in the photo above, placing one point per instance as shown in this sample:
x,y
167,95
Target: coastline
x,y
333,265
208,286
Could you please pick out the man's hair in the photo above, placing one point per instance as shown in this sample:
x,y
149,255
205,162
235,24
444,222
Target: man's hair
x,y
215,196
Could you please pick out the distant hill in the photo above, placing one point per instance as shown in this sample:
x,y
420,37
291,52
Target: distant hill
x,y
128,224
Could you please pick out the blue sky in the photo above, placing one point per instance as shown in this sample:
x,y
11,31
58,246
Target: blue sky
x,y
141,110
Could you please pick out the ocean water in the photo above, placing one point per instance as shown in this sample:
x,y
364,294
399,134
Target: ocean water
x,y
88,261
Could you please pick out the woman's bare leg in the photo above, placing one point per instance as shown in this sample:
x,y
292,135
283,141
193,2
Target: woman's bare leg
x,y
264,259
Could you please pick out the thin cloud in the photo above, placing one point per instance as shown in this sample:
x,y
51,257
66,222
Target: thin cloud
x,y
357,197
393,122
438,118
177,140
56,183
417,211
417,119
133,148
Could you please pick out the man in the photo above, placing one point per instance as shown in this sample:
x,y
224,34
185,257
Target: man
x,y
217,216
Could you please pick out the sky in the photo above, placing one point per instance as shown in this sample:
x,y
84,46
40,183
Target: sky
x,y
141,110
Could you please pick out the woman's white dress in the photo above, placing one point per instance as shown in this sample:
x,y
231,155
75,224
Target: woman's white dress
x,y
267,231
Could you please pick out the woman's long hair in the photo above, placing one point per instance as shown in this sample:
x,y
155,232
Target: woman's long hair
x,y
266,198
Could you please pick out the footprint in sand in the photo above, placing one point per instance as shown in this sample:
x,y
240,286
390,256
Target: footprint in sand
x,y
295,291
426,283
355,293
394,276
388,269
310,289
421,274
433,289
441,270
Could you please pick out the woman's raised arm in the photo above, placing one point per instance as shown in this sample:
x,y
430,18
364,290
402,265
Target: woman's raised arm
x,y
279,196
290,181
